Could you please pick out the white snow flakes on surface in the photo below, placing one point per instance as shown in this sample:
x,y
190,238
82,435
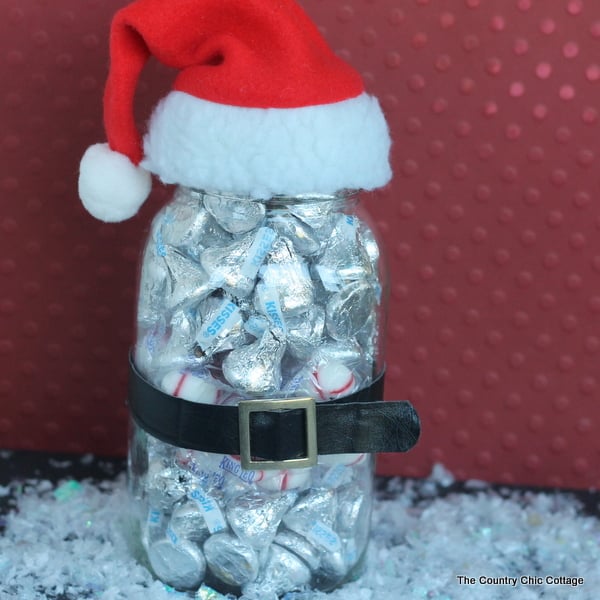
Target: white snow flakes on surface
x,y
69,542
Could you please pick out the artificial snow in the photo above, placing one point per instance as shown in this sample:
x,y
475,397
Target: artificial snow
x,y
69,542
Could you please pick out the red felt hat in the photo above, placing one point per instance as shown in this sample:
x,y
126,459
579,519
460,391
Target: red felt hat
x,y
261,106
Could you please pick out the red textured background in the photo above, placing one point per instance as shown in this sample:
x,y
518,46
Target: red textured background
x,y
491,224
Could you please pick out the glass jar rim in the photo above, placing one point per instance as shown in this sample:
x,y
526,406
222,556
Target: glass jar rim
x,y
344,194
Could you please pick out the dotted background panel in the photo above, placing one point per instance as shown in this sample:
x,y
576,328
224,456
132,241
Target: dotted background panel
x,y
491,226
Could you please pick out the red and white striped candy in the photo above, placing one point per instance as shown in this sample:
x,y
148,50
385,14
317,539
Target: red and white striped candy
x,y
188,386
279,481
348,460
333,379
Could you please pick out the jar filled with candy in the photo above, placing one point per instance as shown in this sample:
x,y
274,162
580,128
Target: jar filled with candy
x,y
256,380
275,306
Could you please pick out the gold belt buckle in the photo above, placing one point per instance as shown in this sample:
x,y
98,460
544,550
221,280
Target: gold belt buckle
x,y
246,407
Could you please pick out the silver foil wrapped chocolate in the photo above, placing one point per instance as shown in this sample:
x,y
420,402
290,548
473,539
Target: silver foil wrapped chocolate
x,y
256,368
179,563
234,267
344,259
287,273
230,559
305,332
236,215
284,571
299,546
187,225
153,288
267,301
316,505
243,299
168,346
318,212
255,517
188,522
187,281
348,310
306,243
354,507
219,326
166,484
155,526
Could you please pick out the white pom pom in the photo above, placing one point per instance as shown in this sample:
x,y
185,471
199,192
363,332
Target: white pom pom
x,y
111,187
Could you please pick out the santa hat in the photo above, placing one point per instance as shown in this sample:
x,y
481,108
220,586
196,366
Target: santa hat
x,y
261,106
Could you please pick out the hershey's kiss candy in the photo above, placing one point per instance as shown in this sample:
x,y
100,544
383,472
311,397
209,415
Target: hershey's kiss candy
x,y
188,282
267,302
188,522
210,508
319,214
256,325
354,509
220,327
344,259
180,564
283,572
255,517
230,559
150,341
166,345
366,239
154,280
332,569
234,267
335,475
316,505
236,215
300,546
286,272
304,332
301,235
348,310
187,225
256,368
154,527
166,484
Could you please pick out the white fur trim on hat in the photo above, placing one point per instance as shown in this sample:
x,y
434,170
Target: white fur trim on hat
x,y
267,152
111,187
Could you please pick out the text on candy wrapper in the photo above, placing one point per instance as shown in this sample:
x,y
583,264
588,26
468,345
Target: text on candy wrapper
x,y
259,249
212,514
233,467
154,517
273,313
324,536
219,321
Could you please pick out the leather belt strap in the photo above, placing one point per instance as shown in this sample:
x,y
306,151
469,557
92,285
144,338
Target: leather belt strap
x,y
360,422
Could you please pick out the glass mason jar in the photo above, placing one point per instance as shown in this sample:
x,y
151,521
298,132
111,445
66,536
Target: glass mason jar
x,y
247,300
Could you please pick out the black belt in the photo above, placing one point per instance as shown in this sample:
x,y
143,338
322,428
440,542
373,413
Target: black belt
x,y
283,434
